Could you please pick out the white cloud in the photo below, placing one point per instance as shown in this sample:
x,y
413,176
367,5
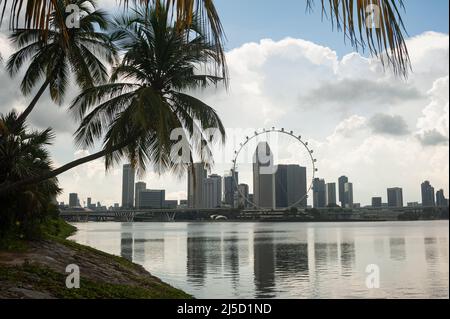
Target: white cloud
x,y
331,101
433,125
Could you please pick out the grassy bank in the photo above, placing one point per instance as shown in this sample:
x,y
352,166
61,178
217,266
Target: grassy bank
x,y
37,269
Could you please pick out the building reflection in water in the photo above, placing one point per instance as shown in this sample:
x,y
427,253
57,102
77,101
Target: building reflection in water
x,y
196,262
139,249
231,257
347,257
397,248
292,260
213,252
264,265
325,254
378,246
126,245
431,250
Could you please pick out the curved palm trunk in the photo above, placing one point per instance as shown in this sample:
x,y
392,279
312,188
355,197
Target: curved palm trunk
x,y
23,116
10,187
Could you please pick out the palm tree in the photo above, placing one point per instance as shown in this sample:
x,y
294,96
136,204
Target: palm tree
x,y
146,97
386,39
54,59
23,154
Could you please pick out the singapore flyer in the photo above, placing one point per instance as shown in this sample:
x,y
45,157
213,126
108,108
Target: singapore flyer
x,y
280,166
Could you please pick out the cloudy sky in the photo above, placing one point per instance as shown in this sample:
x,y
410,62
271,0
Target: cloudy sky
x,y
289,69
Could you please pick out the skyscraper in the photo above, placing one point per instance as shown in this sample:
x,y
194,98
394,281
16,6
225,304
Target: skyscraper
x,y
348,195
196,177
212,191
152,198
73,200
441,201
230,183
377,202
243,196
319,193
331,194
427,194
140,186
281,187
290,186
395,197
341,183
264,177
128,174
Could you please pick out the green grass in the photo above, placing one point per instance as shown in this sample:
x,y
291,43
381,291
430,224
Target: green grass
x,y
43,279
50,228
57,228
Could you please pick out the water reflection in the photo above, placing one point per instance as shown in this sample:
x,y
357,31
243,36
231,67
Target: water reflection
x,y
264,265
431,249
291,260
231,257
126,246
347,257
196,260
397,248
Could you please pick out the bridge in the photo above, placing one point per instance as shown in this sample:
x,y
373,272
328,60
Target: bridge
x,y
129,215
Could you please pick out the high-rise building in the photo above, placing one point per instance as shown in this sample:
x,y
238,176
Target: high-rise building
x,y
441,201
281,187
297,188
377,202
73,200
152,199
395,197
128,174
196,178
290,186
427,194
413,204
319,193
341,183
183,203
331,194
348,195
170,203
243,196
264,177
251,201
212,191
140,186
230,183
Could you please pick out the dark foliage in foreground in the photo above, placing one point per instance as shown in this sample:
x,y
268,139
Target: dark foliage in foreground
x,y
23,154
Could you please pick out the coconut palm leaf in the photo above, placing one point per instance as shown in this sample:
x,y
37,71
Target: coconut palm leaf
x,y
386,40
147,95
53,60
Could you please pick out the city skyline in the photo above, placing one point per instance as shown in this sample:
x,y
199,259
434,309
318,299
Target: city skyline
x,y
359,120
212,192
390,167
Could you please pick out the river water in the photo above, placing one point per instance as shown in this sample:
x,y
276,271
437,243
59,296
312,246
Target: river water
x,y
285,260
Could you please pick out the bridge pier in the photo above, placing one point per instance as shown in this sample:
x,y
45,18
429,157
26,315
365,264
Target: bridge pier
x,y
170,216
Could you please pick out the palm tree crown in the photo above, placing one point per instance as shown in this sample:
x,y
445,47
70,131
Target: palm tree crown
x,y
23,154
146,98
53,58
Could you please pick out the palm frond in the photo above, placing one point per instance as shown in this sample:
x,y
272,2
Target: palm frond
x,y
373,25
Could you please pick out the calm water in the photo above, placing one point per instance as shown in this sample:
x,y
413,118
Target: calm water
x,y
284,260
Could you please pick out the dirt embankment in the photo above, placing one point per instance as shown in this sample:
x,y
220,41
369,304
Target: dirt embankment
x,y
40,272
